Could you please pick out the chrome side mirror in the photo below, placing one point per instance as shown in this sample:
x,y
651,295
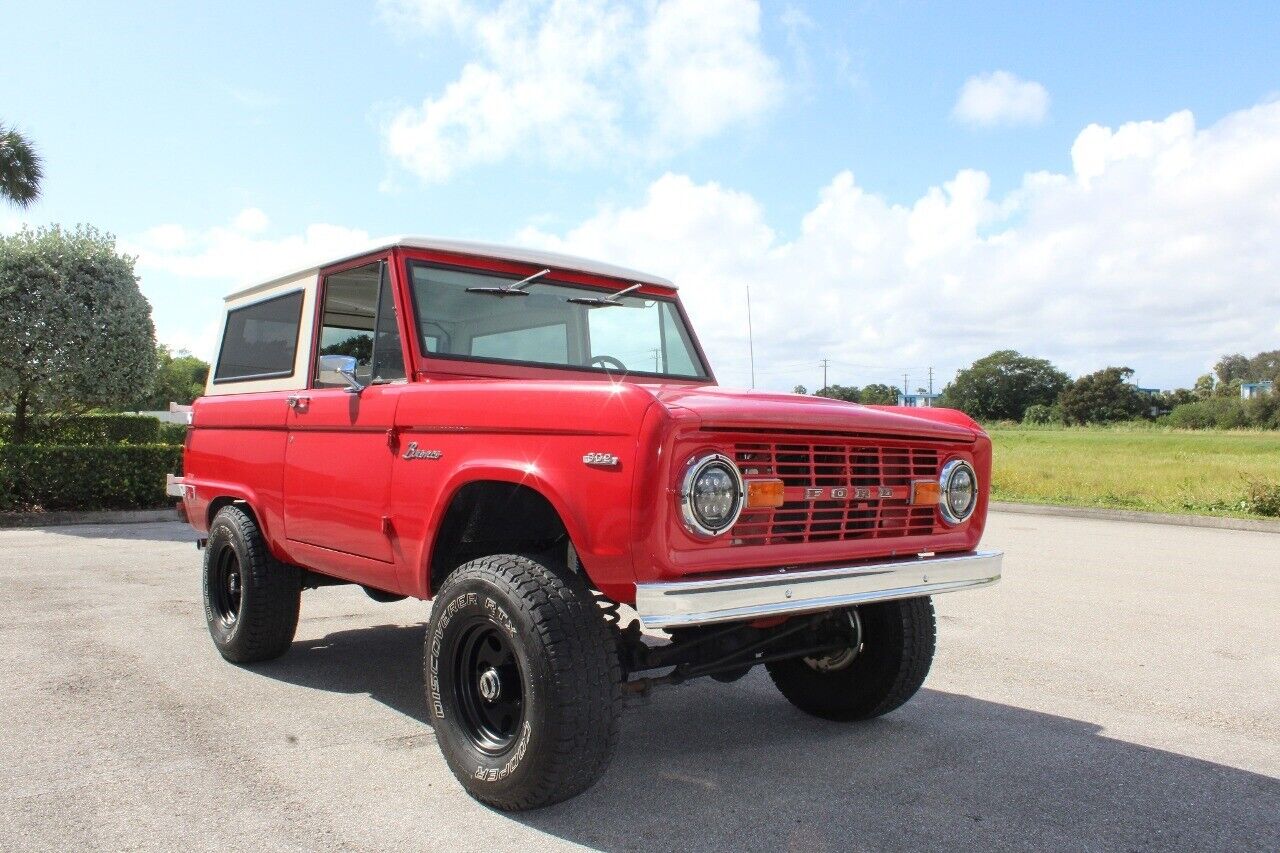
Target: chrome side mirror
x,y
340,368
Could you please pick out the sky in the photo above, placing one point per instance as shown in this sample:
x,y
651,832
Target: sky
x,y
902,186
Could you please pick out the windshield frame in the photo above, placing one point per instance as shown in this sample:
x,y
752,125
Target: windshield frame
x,y
510,272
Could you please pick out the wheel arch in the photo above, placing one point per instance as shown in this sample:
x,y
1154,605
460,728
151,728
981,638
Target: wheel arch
x,y
245,501
496,511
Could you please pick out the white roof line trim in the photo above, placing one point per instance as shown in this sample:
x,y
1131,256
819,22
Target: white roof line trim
x,y
555,260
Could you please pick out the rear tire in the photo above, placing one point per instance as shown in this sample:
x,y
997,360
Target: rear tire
x,y
523,681
251,599
898,640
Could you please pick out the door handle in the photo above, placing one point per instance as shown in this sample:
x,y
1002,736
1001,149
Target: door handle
x,y
296,403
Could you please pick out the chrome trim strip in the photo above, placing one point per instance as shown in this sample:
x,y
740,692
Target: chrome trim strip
x,y
781,592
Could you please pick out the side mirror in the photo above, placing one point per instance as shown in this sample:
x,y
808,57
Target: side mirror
x,y
340,368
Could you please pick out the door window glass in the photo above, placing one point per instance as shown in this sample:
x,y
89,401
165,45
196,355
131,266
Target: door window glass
x,y
359,320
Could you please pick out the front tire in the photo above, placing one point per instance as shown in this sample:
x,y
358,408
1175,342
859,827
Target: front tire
x,y
251,599
523,682
898,640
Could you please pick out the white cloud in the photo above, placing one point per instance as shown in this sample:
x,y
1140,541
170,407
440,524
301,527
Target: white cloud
x,y
569,81
234,253
251,220
186,272
1001,98
1158,252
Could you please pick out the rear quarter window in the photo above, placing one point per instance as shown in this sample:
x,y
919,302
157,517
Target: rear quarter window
x,y
260,340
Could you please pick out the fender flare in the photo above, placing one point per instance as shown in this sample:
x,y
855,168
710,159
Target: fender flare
x,y
502,471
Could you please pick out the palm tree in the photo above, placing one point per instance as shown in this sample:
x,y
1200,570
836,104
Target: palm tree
x,y
20,168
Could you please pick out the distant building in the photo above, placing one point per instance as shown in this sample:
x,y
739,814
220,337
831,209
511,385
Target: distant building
x,y
1142,390
1249,390
920,399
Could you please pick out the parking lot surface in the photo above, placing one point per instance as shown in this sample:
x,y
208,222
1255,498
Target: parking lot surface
x,y
1119,690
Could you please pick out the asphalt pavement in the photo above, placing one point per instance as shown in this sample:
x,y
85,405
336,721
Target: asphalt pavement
x,y
1119,690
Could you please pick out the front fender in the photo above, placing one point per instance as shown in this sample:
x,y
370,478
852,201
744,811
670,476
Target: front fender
x,y
591,504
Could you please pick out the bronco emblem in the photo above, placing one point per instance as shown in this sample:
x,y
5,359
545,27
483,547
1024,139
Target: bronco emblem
x,y
412,452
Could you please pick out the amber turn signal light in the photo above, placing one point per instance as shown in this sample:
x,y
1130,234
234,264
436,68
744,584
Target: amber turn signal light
x,y
764,493
925,492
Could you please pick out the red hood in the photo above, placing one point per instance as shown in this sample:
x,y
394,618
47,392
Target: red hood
x,y
729,407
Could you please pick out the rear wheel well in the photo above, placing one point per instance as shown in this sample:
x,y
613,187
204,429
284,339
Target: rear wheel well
x,y
495,517
217,504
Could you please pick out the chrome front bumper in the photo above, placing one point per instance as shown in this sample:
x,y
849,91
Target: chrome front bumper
x,y
786,591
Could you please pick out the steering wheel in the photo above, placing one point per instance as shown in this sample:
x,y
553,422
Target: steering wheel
x,y
608,362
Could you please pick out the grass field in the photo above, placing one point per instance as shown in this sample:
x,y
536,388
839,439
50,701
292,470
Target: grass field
x,y
1155,469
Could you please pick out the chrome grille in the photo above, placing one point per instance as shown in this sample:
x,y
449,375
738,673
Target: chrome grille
x,y
826,465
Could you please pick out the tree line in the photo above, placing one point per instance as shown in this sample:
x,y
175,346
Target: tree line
x,y
875,394
1009,386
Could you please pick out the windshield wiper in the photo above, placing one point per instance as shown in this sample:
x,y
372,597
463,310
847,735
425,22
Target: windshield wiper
x,y
602,301
510,289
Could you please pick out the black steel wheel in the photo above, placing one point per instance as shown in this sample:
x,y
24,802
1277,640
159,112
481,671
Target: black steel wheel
x,y
487,685
523,681
251,599
224,586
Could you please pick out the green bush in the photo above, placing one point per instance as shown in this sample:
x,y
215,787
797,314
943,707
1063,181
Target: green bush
x,y
86,430
1262,498
1038,414
173,433
1227,413
45,477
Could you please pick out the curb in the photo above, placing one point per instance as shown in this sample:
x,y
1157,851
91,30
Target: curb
x,y
59,519
1209,521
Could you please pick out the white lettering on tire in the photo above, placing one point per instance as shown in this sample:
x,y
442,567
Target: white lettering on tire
x,y
464,600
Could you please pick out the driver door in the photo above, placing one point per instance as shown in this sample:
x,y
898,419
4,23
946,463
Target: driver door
x,y
338,458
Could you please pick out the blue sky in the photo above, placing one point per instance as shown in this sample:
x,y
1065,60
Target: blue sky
x,y
221,141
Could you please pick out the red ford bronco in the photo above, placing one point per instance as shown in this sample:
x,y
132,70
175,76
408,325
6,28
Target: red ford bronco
x,y
535,441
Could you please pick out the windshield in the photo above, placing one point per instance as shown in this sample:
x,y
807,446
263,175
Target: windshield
x,y
481,316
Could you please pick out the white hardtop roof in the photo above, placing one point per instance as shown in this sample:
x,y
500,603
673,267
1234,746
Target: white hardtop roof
x,y
554,260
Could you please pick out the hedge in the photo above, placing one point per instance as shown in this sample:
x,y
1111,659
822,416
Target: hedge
x,y
172,433
86,430
44,477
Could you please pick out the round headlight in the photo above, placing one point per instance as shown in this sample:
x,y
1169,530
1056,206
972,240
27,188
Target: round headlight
x,y
959,487
711,495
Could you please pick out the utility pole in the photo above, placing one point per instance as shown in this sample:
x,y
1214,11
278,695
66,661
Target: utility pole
x,y
904,387
751,343
824,373
657,353
930,386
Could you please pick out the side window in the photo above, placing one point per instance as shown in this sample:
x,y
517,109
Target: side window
x,y
359,319
260,340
